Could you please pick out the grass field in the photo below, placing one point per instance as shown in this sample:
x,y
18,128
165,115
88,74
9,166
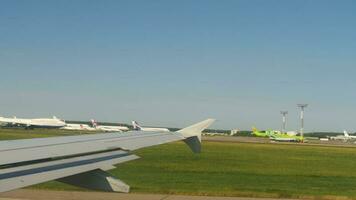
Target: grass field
x,y
20,133
240,169
236,169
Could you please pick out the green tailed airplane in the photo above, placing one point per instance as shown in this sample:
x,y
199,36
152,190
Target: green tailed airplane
x,y
277,136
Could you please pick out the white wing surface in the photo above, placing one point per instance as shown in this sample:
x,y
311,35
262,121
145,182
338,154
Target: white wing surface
x,y
82,160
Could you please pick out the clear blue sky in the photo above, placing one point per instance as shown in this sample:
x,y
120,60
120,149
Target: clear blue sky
x,y
171,63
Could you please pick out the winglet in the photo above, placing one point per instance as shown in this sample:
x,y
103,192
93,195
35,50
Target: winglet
x,y
192,134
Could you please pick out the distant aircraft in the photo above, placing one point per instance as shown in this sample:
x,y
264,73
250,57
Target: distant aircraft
x,y
78,127
108,128
344,137
349,136
82,160
278,136
286,138
137,127
34,123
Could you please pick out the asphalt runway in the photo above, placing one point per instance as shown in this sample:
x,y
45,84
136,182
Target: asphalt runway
x,y
28,194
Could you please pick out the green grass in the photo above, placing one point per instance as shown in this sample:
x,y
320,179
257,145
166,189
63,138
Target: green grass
x,y
236,169
20,133
240,169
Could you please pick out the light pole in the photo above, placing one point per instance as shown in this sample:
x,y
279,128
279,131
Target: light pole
x,y
302,106
284,119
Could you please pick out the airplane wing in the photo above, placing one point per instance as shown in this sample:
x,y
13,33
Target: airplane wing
x,y
82,160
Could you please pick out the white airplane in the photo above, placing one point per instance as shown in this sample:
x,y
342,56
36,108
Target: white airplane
x,y
78,127
35,123
108,128
82,160
344,137
346,134
137,127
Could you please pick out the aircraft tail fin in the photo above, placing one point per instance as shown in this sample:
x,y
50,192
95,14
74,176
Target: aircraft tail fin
x,y
136,126
254,129
192,134
93,123
346,134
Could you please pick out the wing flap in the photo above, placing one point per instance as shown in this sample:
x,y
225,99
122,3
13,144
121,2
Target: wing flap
x,y
97,180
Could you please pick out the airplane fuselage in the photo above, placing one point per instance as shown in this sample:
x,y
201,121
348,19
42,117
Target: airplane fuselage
x,y
78,127
112,128
35,123
154,129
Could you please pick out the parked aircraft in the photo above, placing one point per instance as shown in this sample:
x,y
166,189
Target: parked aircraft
x,y
286,138
108,128
136,126
34,123
277,135
344,137
82,160
349,136
79,127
